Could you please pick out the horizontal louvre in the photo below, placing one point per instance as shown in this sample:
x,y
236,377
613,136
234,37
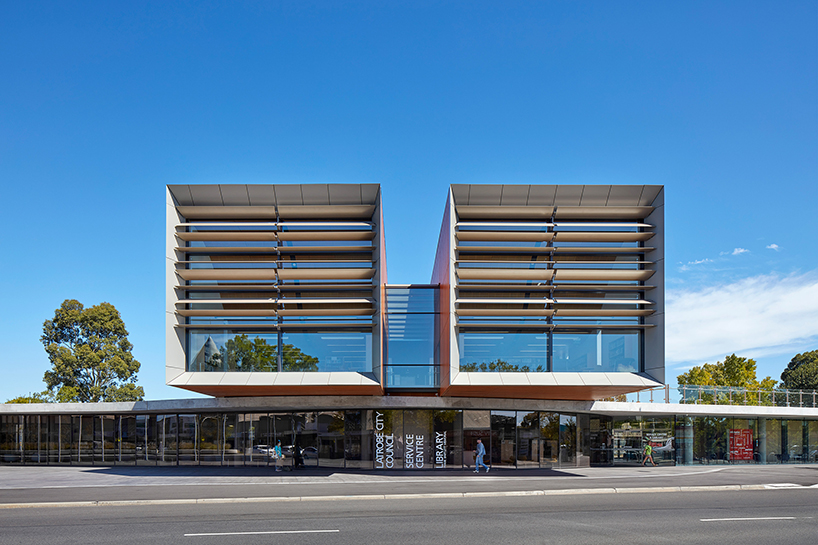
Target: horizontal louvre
x,y
228,212
505,212
567,236
603,275
324,274
227,274
505,274
603,212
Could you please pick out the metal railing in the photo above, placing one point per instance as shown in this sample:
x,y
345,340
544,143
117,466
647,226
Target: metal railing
x,y
722,395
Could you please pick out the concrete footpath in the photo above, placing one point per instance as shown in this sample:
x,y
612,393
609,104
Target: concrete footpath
x,y
54,486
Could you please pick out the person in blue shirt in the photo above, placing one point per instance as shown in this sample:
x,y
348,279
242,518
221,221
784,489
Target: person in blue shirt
x,y
278,455
479,452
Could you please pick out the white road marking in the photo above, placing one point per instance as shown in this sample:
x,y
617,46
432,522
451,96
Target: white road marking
x,y
752,518
265,533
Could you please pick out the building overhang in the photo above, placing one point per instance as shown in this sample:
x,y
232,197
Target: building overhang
x,y
279,384
559,386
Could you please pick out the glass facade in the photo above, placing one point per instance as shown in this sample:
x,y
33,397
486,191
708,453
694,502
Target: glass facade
x,y
411,439
412,349
511,350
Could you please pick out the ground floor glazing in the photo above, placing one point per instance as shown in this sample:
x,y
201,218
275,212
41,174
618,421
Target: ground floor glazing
x,y
407,439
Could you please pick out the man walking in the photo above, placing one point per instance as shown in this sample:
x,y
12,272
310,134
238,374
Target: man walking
x,y
648,455
479,452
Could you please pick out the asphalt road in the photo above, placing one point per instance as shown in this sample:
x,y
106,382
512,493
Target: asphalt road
x,y
726,518
66,484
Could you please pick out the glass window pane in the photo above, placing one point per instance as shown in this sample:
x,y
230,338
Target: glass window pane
x,y
411,376
549,439
812,439
166,439
146,440
233,441
358,439
226,350
417,443
327,351
448,438
410,299
742,440
188,429
503,450
411,338
387,439
260,444
495,352
568,440
331,439
596,351
127,440
305,448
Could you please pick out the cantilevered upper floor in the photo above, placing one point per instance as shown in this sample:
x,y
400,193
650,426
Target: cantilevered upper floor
x,y
274,289
538,291
551,291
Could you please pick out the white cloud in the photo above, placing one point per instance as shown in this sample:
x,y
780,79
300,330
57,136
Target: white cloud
x,y
689,264
754,317
735,251
773,247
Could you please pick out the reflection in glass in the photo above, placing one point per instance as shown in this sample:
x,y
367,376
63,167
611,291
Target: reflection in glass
x,y
411,376
331,439
224,350
528,439
358,439
127,440
411,338
596,351
305,448
166,439
448,439
503,439
327,351
550,439
515,351
188,454
568,439
145,439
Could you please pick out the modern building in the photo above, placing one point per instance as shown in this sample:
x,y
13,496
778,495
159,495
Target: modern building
x,y
544,307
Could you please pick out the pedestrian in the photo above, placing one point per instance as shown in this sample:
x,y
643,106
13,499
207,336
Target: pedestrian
x,y
479,452
648,454
278,455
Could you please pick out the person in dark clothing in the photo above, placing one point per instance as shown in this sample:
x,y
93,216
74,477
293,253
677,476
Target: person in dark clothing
x,y
298,456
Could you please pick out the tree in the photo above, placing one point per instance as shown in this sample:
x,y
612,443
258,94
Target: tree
x,y
293,359
802,372
241,353
41,397
90,355
499,365
733,372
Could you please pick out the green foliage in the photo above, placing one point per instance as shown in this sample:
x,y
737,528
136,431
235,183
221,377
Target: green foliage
x,y
499,365
734,372
41,397
241,353
293,359
90,355
802,372
722,377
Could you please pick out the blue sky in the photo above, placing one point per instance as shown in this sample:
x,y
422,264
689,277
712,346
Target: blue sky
x,y
102,104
